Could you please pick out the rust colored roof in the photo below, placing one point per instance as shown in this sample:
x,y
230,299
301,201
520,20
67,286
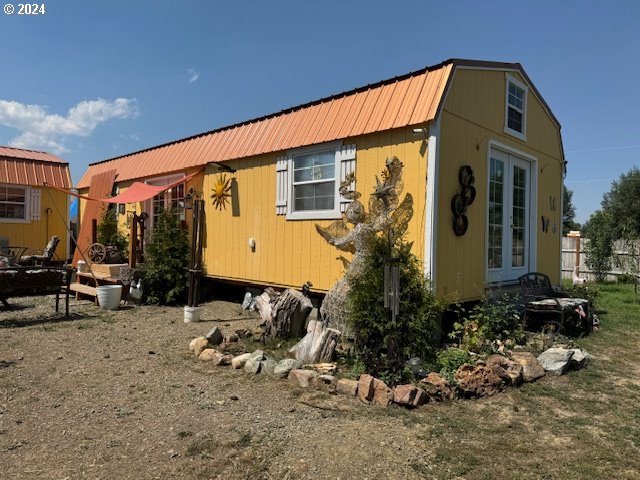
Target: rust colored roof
x,y
411,99
30,167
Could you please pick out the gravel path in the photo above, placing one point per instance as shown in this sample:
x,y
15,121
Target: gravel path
x,y
118,395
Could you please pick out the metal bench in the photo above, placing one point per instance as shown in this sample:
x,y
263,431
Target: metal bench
x,y
546,305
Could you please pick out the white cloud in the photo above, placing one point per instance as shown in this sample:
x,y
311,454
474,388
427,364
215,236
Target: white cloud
x,y
193,75
42,130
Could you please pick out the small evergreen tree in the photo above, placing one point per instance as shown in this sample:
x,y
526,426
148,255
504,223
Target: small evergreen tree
x,y
382,345
108,233
165,276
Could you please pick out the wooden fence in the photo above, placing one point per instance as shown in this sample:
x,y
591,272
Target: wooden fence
x,y
573,253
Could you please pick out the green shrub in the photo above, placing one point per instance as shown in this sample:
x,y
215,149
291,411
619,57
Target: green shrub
x,y
449,360
108,233
488,322
164,275
382,344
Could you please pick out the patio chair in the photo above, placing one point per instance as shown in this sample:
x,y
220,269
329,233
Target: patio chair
x,y
546,305
45,257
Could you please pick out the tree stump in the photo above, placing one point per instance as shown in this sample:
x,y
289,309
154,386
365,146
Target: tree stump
x,y
317,345
284,315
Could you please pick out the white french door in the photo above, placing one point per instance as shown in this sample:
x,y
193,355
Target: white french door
x,y
509,242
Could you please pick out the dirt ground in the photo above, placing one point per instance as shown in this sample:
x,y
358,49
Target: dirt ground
x,y
118,395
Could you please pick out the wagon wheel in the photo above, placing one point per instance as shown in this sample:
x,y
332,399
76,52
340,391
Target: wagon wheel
x,y
96,252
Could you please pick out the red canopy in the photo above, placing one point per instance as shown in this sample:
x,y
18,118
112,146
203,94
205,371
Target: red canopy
x,y
137,192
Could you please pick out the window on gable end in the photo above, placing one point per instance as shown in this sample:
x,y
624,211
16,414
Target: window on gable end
x,y
516,108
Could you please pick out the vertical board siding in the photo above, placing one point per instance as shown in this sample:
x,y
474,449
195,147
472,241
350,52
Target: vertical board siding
x,y
35,233
473,114
289,253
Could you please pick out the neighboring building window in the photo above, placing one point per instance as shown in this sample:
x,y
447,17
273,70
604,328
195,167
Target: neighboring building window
x,y
308,180
516,108
13,202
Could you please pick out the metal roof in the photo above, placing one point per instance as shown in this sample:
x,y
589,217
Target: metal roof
x,y
30,167
410,99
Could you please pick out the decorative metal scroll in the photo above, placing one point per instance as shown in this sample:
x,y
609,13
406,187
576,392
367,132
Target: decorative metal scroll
x,y
462,200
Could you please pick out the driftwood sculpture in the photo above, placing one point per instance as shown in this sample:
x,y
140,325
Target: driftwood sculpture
x,y
386,214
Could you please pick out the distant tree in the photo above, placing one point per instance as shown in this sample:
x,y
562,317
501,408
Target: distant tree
x,y
622,202
568,212
599,248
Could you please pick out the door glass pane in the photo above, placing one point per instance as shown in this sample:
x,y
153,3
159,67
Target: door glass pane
x,y
518,213
496,204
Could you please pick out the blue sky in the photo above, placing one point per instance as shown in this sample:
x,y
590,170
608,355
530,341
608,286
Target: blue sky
x,y
91,80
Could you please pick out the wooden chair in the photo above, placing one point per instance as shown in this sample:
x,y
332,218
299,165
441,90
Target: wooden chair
x,y
542,303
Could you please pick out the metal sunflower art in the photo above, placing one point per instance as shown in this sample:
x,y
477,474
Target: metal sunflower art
x,y
221,189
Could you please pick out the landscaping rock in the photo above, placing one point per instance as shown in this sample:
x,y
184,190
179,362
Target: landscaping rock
x,y
531,368
478,380
222,359
197,345
208,355
366,388
301,378
268,366
579,359
556,360
215,336
253,364
325,382
240,360
382,394
347,387
409,396
512,369
436,387
283,367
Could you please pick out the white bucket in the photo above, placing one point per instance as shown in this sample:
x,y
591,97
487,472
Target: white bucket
x,y
82,266
192,314
109,296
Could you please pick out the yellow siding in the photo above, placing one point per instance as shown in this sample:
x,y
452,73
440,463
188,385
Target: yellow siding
x,y
473,115
35,235
288,253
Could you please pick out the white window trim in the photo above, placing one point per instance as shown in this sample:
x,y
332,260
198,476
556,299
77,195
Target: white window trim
x,y
27,205
315,214
521,135
159,182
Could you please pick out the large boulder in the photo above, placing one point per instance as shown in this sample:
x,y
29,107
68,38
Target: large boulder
x,y
436,387
240,360
366,388
478,380
208,355
215,336
531,368
382,394
556,360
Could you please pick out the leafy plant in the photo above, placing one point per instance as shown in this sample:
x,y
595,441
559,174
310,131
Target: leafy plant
x,y
588,291
599,248
489,322
164,276
108,233
449,360
383,345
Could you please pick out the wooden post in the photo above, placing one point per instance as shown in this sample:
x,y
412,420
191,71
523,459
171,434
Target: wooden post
x,y
576,234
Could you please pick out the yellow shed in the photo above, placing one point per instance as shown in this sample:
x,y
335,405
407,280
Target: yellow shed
x,y
483,161
30,212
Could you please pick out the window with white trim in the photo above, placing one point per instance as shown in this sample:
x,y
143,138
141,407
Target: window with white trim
x,y
308,181
14,203
173,198
516,108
